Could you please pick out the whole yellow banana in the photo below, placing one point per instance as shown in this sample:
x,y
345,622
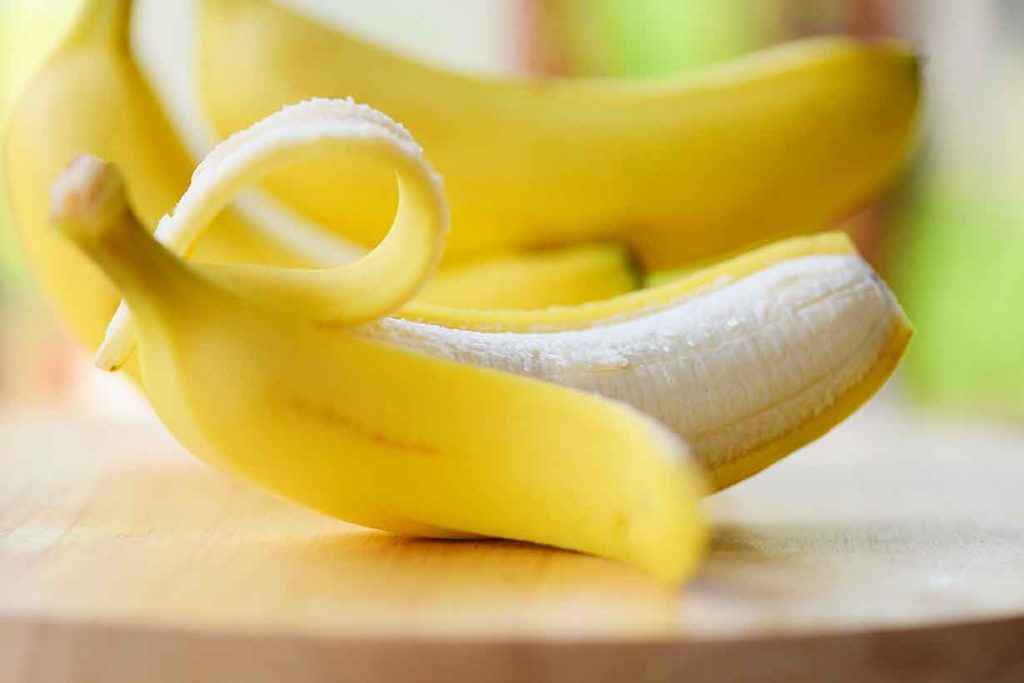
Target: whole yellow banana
x,y
684,168
89,96
380,436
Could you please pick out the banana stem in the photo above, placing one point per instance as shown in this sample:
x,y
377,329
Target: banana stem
x,y
89,206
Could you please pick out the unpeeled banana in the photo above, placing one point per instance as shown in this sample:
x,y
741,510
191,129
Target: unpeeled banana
x,y
378,435
747,360
681,169
90,96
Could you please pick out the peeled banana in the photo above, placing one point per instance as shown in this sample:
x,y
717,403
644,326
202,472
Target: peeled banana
x,y
746,360
746,369
681,169
378,435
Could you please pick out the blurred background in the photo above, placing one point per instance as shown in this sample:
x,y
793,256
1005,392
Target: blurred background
x,y
949,236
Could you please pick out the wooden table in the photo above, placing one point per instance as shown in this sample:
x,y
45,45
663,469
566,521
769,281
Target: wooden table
x,y
892,550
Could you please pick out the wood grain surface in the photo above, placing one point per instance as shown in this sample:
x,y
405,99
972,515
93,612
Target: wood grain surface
x,y
893,549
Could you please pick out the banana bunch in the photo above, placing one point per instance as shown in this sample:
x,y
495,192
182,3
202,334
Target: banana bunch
x,y
533,395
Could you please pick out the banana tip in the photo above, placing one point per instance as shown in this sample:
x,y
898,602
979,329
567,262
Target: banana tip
x,y
107,361
86,198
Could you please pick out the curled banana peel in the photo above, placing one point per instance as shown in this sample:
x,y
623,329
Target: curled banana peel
x,y
746,360
681,168
379,435
367,288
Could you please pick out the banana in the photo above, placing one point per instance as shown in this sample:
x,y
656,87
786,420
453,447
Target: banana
x,y
378,435
90,96
116,116
681,169
746,360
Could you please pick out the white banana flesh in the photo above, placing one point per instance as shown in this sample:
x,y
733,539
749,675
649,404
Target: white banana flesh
x,y
730,368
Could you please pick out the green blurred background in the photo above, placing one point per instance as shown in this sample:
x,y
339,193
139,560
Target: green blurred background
x,y
949,236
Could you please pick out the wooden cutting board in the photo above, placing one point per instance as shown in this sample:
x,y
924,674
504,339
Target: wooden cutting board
x,y
892,550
